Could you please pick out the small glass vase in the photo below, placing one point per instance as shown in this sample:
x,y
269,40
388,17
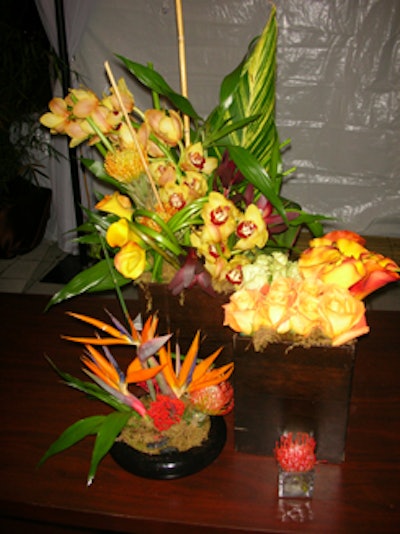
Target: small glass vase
x,y
293,484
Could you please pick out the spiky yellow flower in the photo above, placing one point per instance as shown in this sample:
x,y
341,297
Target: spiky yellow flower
x,y
124,165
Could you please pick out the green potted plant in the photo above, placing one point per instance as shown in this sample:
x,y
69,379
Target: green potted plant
x,y
24,204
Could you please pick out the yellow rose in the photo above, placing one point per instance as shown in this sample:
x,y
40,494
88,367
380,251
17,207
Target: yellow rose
x,y
117,204
130,261
239,312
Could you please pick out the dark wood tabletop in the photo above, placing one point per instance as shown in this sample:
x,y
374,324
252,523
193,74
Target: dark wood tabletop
x,y
237,493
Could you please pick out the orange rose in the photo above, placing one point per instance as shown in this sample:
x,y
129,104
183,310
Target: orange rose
x,y
379,271
276,307
340,258
130,261
342,315
305,313
240,310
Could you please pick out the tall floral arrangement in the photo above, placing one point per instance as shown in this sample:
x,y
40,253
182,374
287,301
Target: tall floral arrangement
x,y
198,201
194,199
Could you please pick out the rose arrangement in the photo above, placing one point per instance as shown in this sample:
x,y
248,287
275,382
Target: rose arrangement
x,y
314,300
174,398
194,199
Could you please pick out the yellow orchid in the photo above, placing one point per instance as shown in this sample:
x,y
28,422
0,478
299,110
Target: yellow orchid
x,y
174,196
58,116
166,125
111,101
251,229
220,216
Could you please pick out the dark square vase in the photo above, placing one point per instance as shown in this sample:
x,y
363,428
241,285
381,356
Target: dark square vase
x,y
297,390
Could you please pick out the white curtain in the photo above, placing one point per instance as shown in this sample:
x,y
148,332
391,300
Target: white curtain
x,y
76,13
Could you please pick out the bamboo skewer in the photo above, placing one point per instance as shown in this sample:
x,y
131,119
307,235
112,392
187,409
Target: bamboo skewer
x,y
133,133
182,66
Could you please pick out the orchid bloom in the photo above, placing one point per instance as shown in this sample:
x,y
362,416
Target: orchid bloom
x,y
220,216
194,159
112,102
166,125
251,229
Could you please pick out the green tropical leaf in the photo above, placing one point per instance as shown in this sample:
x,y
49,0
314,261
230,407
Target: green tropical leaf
x,y
249,166
107,432
90,389
92,280
154,81
215,134
73,434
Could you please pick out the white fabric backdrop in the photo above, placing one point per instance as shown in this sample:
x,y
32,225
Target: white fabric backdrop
x,y
338,95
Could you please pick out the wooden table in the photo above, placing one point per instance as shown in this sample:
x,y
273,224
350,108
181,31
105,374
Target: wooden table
x,y
237,493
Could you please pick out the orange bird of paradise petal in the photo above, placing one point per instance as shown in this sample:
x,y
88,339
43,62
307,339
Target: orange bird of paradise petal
x,y
189,360
168,369
212,378
118,338
136,373
101,367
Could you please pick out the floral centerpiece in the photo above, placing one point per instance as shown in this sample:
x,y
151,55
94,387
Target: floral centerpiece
x,y
197,202
194,199
172,408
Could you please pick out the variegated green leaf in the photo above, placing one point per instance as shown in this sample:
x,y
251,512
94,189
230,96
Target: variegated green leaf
x,y
250,91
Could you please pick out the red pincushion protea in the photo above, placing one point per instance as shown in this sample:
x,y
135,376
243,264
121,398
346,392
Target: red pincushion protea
x,y
166,411
296,454
214,400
